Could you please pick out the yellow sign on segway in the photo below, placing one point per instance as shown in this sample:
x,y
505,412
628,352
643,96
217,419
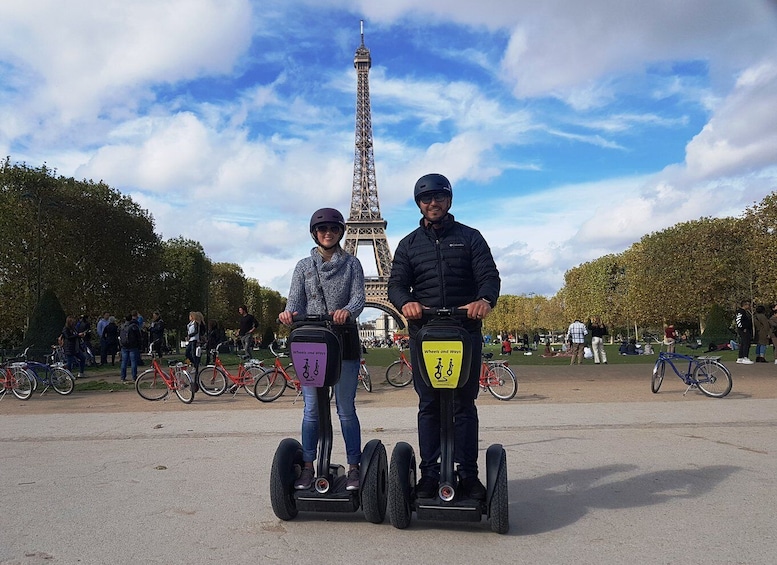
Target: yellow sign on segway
x,y
443,361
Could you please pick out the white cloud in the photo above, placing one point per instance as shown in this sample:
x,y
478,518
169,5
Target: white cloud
x,y
114,92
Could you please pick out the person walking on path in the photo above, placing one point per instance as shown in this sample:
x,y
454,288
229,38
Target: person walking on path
x,y
576,339
598,330
744,324
247,328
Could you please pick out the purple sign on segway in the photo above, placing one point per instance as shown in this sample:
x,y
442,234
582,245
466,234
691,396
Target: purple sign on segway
x,y
309,362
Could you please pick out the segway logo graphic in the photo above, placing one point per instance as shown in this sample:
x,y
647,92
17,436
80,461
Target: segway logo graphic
x,y
310,361
442,360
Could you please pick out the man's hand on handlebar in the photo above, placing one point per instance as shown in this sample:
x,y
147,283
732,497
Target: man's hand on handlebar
x,y
340,316
413,310
478,309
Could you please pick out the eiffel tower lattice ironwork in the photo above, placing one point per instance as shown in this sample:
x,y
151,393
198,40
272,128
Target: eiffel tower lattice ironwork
x,y
365,224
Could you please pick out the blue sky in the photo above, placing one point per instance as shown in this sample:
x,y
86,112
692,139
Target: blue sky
x,y
568,129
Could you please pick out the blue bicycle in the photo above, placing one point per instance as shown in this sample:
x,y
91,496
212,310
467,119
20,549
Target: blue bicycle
x,y
51,374
707,374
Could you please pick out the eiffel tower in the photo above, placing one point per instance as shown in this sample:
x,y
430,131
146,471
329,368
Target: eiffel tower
x,y
365,224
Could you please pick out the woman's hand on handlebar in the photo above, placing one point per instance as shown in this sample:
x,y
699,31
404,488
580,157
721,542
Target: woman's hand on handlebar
x,y
286,317
341,316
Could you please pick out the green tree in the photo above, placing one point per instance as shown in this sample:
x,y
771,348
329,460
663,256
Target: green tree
x,y
183,282
227,287
46,325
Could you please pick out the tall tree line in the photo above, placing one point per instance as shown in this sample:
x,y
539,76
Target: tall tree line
x,y
97,250
684,275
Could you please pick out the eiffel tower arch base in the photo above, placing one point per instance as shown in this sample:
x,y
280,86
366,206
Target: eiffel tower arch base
x,y
376,296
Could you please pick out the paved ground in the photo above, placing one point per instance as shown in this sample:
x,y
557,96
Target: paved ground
x,y
600,471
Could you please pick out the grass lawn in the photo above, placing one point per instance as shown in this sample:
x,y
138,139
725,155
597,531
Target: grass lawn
x,y
383,357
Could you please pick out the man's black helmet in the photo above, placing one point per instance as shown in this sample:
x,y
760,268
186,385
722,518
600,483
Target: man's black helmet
x,y
326,216
432,182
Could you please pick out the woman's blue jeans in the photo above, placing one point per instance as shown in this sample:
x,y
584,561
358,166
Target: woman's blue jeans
x,y
345,397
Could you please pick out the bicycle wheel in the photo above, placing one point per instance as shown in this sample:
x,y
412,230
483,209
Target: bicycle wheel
x,y
269,386
399,374
250,377
33,376
292,376
364,377
501,382
151,386
658,375
21,385
213,381
183,386
62,381
713,379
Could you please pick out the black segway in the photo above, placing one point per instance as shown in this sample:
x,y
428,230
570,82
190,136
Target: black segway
x,y
445,355
316,354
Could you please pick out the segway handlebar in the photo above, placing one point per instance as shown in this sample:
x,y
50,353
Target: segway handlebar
x,y
433,312
296,318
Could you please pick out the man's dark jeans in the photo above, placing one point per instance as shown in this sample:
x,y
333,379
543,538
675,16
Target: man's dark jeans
x,y
465,415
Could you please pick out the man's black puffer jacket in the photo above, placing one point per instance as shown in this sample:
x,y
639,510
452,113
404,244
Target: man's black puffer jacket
x,y
444,268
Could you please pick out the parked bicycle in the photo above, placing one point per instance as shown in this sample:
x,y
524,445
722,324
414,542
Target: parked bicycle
x,y
156,384
364,376
213,378
498,378
274,381
14,379
50,374
706,373
400,372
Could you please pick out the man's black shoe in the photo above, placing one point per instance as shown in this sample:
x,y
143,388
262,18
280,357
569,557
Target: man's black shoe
x,y
471,487
427,487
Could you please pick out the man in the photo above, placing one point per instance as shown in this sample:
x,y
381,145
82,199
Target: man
x,y
156,333
101,325
130,339
247,327
576,339
744,323
444,263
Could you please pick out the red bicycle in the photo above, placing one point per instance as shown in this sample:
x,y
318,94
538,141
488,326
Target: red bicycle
x,y
213,378
498,378
156,384
400,372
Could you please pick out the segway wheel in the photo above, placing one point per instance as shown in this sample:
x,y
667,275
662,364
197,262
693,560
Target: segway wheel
x,y
374,491
288,457
401,483
498,508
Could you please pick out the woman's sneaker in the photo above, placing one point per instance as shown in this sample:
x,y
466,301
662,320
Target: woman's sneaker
x,y
352,479
305,479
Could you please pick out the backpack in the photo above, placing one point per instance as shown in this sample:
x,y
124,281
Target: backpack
x,y
124,339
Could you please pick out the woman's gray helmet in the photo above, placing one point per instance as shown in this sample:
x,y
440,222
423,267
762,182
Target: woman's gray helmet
x,y
326,216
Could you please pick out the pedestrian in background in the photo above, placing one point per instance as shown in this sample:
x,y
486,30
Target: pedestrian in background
x,y
576,338
598,330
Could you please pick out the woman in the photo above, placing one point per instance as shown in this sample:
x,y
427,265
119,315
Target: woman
x,y
670,338
598,330
330,281
111,339
193,339
71,346
763,333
